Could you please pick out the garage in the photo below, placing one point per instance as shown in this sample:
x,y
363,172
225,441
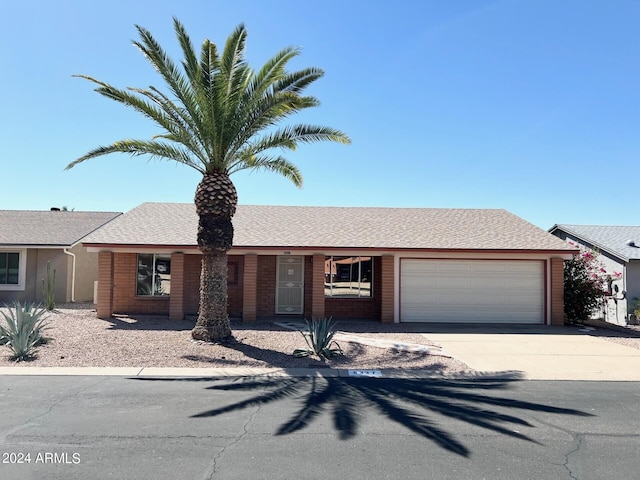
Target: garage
x,y
472,291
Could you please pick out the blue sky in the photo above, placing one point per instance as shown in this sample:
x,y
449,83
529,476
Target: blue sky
x,y
531,106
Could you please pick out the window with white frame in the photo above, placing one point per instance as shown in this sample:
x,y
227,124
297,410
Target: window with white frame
x,y
12,269
153,275
348,277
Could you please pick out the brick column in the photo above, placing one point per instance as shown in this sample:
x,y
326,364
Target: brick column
x,y
387,289
557,291
317,287
250,288
104,308
176,296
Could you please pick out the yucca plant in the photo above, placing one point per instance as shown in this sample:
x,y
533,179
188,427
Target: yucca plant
x,y
319,338
23,330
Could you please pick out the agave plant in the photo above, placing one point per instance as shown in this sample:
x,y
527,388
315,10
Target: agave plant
x,y
319,338
23,330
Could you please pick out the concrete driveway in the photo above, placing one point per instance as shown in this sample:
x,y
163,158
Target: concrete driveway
x,y
539,352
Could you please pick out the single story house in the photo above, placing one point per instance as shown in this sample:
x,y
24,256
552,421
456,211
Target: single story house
x,y
31,239
619,249
391,264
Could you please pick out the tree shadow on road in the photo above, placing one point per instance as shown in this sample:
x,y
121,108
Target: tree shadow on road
x,y
414,403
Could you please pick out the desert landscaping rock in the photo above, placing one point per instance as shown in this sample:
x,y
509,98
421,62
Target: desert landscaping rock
x,y
79,339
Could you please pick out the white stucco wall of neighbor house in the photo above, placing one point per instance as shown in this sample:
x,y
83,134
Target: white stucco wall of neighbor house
x,y
615,305
633,283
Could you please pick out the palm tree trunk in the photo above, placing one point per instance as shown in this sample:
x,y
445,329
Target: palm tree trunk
x,y
213,319
216,201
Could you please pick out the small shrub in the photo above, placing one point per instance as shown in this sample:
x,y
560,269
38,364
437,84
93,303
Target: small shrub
x,y
319,338
634,306
49,288
23,330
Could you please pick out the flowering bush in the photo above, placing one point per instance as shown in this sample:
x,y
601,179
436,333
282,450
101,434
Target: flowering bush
x,y
586,283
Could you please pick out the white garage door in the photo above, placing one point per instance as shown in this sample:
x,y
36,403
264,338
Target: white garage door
x,y
472,291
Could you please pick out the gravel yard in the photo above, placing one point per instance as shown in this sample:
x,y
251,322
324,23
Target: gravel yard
x,y
79,339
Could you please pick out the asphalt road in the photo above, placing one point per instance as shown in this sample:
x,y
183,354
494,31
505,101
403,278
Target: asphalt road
x,y
87,427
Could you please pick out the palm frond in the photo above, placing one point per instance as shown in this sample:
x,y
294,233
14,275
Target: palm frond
x,y
296,82
289,137
190,60
279,165
156,150
218,114
185,127
266,112
235,77
183,89
163,64
271,73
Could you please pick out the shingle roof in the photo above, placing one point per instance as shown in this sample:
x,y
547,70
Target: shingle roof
x,y
610,238
47,228
166,224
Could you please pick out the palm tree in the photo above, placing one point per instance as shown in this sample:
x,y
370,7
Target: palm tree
x,y
220,117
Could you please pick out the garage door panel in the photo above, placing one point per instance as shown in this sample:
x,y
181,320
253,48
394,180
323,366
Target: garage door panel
x,y
472,291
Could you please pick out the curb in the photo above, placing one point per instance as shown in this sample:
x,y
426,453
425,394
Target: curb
x,y
143,372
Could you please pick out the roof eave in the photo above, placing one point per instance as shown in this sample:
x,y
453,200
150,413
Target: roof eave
x,y
180,247
597,245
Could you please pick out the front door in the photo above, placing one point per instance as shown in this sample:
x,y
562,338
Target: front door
x,y
290,285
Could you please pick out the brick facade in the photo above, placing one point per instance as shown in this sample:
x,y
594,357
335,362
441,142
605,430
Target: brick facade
x,y
235,285
252,289
176,300
104,308
266,301
557,291
387,283
192,265
125,300
317,286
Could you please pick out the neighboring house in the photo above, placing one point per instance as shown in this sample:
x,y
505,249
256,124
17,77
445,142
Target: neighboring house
x,y
31,239
619,249
391,264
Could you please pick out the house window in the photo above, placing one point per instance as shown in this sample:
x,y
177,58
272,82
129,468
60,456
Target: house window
x,y
12,269
348,277
154,275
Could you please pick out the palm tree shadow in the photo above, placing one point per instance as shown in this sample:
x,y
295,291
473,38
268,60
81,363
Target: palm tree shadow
x,y
410,402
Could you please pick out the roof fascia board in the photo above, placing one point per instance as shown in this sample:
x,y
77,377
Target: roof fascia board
x,y
243,250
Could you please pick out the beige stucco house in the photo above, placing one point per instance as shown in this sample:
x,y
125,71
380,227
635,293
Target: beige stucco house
x,y
31,239
390,264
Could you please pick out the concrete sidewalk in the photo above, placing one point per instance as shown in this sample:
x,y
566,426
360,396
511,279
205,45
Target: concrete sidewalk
x,y
541,353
